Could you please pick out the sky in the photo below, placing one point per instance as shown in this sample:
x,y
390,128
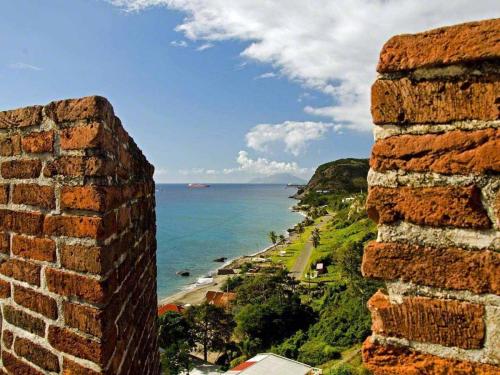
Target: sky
x,y
218,90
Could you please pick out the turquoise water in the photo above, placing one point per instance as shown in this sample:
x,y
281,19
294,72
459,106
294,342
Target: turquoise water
x,y
195,226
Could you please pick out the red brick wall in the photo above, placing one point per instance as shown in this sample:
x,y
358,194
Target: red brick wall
x,y
435,193
77,243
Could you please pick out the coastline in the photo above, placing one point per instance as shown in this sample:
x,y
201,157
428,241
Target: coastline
x,y
196,294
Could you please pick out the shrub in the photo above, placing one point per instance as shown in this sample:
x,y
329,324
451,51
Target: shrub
x,y
317,352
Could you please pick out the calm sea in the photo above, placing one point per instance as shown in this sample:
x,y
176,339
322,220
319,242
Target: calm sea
x,y
195,226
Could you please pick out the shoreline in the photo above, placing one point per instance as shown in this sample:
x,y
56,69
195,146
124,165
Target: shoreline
x,y
196,294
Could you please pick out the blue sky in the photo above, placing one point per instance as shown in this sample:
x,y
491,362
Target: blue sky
x,y
214,90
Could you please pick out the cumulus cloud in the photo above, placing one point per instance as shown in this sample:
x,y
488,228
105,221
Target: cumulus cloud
x,y
263,166
205,46
266,75
24,66
329,46
295,135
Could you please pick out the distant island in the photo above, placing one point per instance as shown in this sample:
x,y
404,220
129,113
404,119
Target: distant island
x,y
278,178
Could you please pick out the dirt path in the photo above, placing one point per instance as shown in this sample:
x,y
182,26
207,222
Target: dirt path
x,y
303,258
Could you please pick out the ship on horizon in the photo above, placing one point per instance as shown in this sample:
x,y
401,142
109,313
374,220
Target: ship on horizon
x,y
197,186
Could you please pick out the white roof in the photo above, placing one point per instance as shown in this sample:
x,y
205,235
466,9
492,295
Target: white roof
x,y
269,363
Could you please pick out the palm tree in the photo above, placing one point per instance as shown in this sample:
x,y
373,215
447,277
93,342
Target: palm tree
x,y
300,227
273,237
316,237
282,239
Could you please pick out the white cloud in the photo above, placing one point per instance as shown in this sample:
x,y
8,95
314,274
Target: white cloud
x,y
24,66
179,43
295,135
205,46
266,75
330,46
263,166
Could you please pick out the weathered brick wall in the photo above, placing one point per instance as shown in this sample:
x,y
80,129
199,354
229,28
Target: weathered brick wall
x,y
435,194
77,243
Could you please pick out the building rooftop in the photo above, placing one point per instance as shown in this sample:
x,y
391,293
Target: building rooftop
x,y
269,363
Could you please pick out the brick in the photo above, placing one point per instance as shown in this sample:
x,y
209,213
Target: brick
x,y
73,368
443,322
22,117
4,194
90,197
38,142
21,270
88,108
92,135
10,145
454,152
43,249
4,289
435,206
78,166
21,221
26,168
79,286
450,268
79,346
36,354
8,338
74,226
402,101
462,43
17,366
93,259
396,360
88,319
4,243
34,195
35,301
24,320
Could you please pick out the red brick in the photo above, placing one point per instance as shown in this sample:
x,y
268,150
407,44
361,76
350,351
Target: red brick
x,y
90,197
34,195
454,152
402,101
88,108
24,320
10,145
4,243
16,366
21,221
26,168
4,289
38,142
443,322
4,194
43,249
435,206
8,338
462,43
88,319
92,135
73,368
79,166
79,346
21,270
93,259
74,226
36,354
395,360
22,117
80,286
450,268
35,301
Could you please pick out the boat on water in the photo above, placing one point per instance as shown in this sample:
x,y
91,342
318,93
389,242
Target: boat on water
x,y
198,186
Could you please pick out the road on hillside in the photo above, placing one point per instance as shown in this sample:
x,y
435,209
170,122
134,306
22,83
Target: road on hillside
x,y
303,258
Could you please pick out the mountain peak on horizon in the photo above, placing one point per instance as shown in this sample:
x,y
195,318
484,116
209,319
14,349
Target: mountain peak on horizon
x,y
278,178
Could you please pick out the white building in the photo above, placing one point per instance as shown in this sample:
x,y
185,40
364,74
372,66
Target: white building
x,y
270,364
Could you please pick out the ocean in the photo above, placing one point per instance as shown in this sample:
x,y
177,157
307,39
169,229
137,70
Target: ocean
x,y
195,226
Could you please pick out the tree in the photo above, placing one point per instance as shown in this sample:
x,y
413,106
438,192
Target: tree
x,y
174,337
300,227
210,327
316,237
273,237
282,239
